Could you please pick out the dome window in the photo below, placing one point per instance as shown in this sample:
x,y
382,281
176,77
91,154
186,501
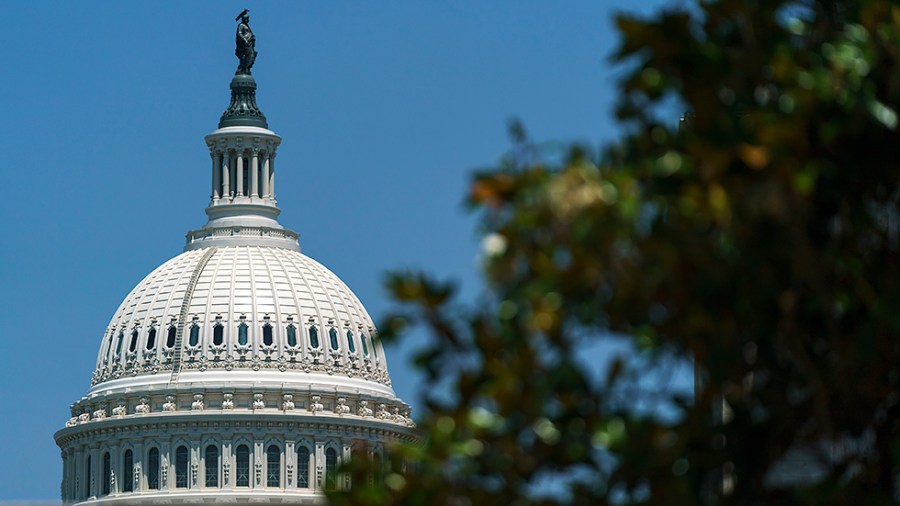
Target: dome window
x,y
242,458
170,336
242,334
350,345
151,338
127,468
267,335
153,469
362,339
211,461
194,338
273,466
291,335
330,468
105,475
218,334
134,339
302,467
181,467
332,333
313,337
119,342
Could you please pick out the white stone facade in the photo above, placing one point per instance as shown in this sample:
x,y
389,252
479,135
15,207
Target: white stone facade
x,y
240,370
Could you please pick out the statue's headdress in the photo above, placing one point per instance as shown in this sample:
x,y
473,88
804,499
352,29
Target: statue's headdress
x,y
242,14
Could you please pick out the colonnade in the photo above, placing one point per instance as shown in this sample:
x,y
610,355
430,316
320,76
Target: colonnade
x,y
243,173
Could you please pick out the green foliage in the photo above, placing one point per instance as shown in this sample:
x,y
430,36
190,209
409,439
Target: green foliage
x,y
759,240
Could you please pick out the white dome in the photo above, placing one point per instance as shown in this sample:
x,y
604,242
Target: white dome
x,y
247,309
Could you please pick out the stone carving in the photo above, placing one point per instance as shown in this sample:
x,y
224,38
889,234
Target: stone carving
x,y
169,405
112,479
121,409
164,471
259,401
72,421
314,405
228,401
258,472
341,407
288,402
245,43
289,468
382,413
84,417
195,469
364,409
197,405
143,407
226,467
100,414
137,476
407,418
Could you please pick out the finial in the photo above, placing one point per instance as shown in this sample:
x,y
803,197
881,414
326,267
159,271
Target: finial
x,y
243,111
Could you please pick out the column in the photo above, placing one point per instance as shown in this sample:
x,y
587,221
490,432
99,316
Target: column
x,y
194,465
254,173
77,473
137,466
165,465
94,482
116,486
290,467
267,189
345,459
226,176
317,478
227,474
239,181
216,174
272,175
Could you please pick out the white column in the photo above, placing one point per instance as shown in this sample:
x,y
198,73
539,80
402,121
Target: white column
x,y
95,477
317,480
216,174
290,465
267,189
345,459
226,176
254,173
239,182
272,175
137,463
116,486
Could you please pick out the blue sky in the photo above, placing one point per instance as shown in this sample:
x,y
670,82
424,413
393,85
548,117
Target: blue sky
x,y
385,108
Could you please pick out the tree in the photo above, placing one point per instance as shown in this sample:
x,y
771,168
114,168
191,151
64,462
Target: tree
x,y
759,240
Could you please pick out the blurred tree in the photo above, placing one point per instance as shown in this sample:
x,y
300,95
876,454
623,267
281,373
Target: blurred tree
x,y
758,241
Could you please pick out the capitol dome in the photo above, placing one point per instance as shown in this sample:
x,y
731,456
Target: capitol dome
x,y
239,370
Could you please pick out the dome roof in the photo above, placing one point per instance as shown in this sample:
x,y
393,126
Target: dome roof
x,y
241,313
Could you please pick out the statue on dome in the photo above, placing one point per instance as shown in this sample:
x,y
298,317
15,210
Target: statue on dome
x,y
245,43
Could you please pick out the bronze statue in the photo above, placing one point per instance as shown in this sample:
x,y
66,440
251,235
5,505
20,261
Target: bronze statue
x,y
245,43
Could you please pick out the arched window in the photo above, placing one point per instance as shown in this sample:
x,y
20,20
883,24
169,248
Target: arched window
x,y
170,336
134,338
211,461
267,335
107,471
218,334
330,468
88,477
127,470
332,333
153,469
302,467
362,339
181,467
151,338
242,472
350,345
291,335
242,334
194,338
119,342
273,466
313,337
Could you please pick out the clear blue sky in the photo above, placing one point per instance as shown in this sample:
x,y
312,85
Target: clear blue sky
x,y
384,110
